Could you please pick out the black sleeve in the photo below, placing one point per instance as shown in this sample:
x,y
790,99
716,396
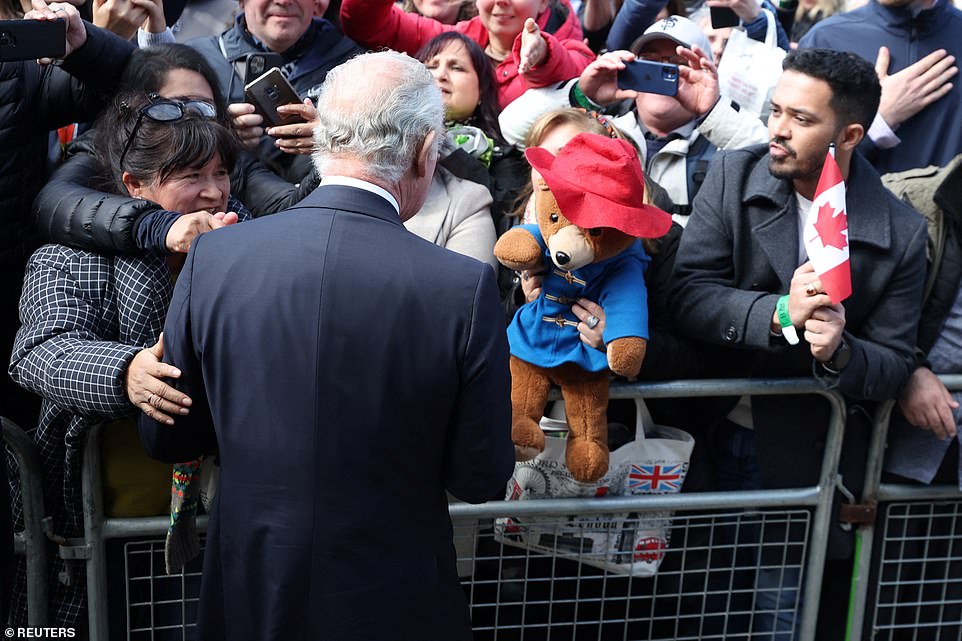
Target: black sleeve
x,y
263,191
68,210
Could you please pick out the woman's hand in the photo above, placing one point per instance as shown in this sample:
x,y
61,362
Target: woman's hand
x,y
147,391
592,325
531,284
248,125
189,226
534,49
297,138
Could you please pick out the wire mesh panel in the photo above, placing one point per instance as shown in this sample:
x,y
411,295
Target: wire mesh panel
x,y
919,596
159,607
721,576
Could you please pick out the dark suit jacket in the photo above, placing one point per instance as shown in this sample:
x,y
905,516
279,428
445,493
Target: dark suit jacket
x,y
351,373
736,259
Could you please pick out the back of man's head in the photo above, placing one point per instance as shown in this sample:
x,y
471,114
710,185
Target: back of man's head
x,y
853,81
375,110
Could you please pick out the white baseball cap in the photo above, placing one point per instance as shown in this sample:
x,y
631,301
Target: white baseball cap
x,y
677,29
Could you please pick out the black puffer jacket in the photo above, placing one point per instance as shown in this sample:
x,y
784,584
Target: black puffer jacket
x,y
33,101
72,210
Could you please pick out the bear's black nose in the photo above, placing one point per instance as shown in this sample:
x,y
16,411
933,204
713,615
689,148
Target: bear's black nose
x,y
562,258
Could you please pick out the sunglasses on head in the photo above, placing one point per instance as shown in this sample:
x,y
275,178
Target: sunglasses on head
x,y
167,110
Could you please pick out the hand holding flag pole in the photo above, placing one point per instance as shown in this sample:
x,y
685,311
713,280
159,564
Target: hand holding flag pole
x,y
826,232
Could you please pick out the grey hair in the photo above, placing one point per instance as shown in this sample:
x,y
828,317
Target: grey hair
x,y
376,109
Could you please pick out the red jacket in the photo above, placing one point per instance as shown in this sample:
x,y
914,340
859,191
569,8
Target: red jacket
x,y
380,23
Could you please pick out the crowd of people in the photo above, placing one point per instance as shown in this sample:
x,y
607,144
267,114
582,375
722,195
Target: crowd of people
x,y
262,296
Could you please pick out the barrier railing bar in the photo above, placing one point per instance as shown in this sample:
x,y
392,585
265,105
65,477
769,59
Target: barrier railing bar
x,y
33,536
875,491
147,526
892,492
93,512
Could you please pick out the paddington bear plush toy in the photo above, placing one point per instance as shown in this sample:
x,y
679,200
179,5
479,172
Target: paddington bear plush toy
x,y
589,201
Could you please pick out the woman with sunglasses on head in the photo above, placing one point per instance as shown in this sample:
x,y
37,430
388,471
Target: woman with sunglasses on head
x,y
91,323
70,211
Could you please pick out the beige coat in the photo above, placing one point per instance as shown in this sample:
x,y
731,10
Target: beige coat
x,y
457,216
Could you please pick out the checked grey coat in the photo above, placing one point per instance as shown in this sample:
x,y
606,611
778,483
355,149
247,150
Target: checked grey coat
x,y
85,316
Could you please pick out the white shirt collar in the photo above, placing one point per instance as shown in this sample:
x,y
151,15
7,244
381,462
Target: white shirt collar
x,y
347,181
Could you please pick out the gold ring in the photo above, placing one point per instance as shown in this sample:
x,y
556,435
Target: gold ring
x,y
810,289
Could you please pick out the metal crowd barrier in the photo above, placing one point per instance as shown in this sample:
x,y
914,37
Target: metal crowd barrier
x,y
907,582
704,588
32,541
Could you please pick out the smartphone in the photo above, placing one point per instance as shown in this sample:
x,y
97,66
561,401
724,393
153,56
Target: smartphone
x,y
269,90
649,77
722,17
255,64
32,39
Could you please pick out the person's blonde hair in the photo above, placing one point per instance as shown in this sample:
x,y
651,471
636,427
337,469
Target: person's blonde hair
x,y
588,122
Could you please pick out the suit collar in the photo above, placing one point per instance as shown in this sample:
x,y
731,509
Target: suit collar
x,y
348,181
351,199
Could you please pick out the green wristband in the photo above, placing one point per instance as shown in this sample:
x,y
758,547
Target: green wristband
x,y
581,99
785,320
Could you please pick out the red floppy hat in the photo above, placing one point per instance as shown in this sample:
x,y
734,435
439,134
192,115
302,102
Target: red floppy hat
x,y
598,182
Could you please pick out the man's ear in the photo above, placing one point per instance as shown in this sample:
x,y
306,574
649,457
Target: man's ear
x,y
850,136
425,149
134,185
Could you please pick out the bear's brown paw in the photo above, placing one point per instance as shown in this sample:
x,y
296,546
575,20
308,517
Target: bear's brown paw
x,y
528,438
586,460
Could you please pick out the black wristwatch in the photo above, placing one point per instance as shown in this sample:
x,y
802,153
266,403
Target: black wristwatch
x,y
839,359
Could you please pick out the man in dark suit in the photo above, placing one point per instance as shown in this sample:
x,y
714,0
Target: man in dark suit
x,y
742,252
349,374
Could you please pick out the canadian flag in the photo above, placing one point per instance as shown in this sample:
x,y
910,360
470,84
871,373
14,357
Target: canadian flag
x,y
826,233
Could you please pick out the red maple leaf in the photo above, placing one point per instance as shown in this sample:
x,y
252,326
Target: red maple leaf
x,y
830,227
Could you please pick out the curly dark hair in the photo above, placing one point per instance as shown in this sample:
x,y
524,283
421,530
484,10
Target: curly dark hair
x,y
854,83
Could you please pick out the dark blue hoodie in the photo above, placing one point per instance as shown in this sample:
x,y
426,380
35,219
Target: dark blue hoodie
x,y
934,135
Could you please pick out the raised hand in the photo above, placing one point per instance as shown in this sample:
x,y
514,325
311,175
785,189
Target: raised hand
x,y
534,49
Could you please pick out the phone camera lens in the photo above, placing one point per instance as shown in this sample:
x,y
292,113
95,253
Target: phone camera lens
x,y
273,93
